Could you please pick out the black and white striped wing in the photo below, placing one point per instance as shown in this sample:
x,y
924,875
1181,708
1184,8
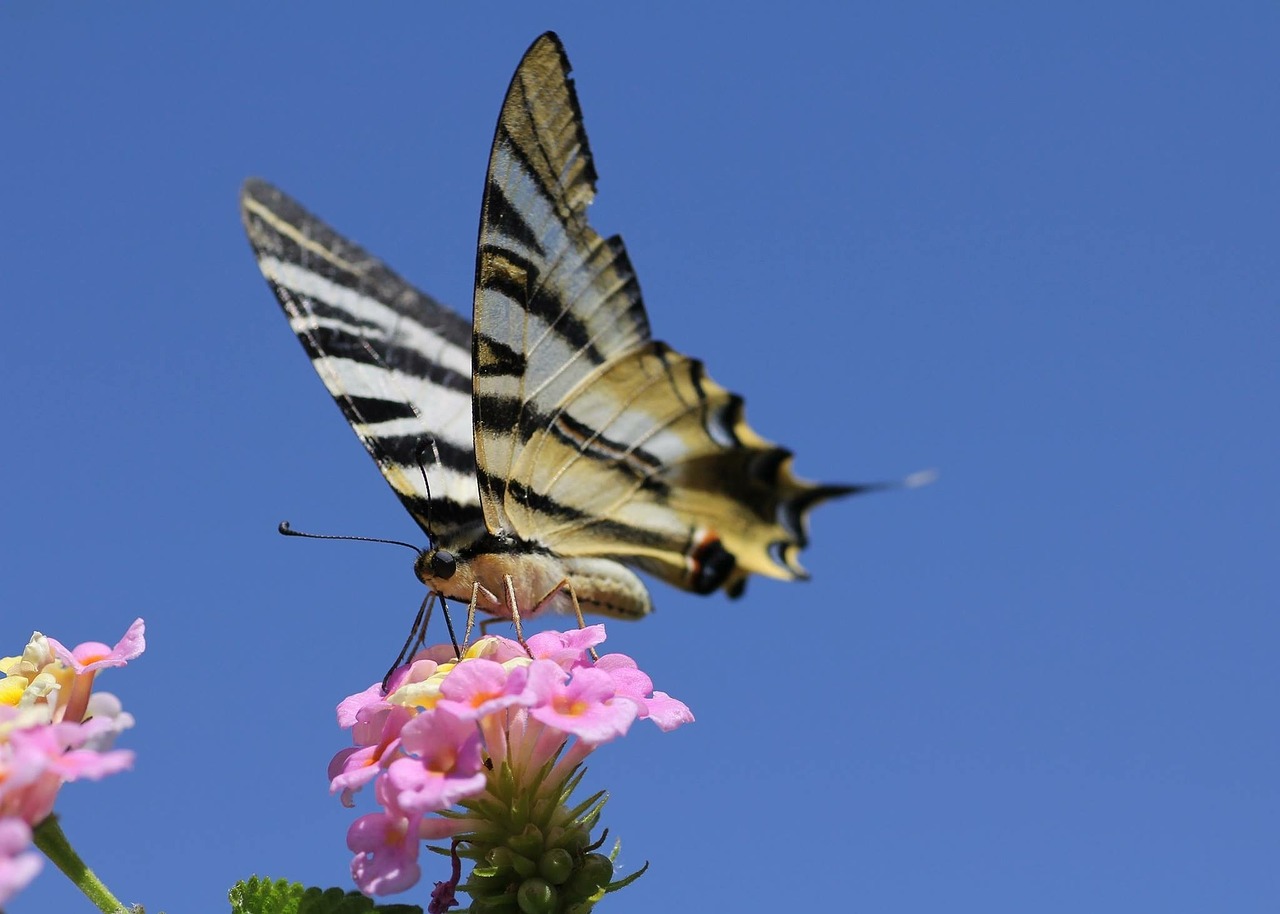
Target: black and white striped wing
x,y
396,361
592,439
553,300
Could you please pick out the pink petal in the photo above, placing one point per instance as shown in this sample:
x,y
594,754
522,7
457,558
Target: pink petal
x,y
497,648
18,864
601,724
338,763
586,708
85,763
386,848
628,679
566,649
380,726
352,705
99,732
358,768
632,682
419,790
444,766
419,669
546,679
476,688
611,662
94,655
590,685
441,735
667,712
32,801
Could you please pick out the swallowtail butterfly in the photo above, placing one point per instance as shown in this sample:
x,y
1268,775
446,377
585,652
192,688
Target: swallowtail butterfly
x,y
562,443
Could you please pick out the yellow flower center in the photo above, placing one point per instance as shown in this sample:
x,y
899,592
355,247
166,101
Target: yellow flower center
x,y
571,707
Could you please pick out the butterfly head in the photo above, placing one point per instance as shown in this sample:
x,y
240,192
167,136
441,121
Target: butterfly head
x,y
435,566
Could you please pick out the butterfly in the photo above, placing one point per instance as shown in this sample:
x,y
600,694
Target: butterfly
x,y
551,445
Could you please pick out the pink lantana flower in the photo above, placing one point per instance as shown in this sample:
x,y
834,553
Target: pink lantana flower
x,y
386,846
441,765
92,656
85,660
477,688
567,649
377,731
584,703
18,863
53,729
632,683
486,750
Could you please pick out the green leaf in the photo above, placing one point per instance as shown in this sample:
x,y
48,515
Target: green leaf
x,y
627,880
265,896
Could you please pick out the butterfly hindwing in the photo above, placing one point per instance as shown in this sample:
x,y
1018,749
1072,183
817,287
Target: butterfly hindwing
x,y
649,460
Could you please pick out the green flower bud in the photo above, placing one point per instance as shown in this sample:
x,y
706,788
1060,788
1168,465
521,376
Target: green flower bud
x,y
593,873
536,897
556,866
599,867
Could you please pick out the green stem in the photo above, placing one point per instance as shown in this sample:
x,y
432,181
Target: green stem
x,y
50,839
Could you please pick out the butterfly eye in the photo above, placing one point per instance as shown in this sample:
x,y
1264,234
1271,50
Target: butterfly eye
x,y
443,564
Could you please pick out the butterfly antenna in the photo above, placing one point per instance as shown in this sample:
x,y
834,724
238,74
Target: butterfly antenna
x,y
286,530
422,468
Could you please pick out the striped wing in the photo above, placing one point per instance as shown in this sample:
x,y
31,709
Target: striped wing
x,y
553,300
396,361
649,462
591,439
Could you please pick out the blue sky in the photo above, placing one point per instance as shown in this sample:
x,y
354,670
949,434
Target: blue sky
x,y
1036,250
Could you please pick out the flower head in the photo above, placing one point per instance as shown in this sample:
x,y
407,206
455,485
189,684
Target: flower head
x,y
486,749
53,729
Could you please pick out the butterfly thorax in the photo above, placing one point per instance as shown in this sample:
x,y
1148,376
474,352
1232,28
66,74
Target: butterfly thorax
x,y
539,579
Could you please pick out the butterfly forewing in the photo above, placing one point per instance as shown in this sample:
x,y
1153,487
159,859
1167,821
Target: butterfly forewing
x,y
553,299
591,439
396,361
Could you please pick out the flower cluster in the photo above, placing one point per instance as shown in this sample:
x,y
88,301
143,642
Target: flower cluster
x,y
485,749
53,728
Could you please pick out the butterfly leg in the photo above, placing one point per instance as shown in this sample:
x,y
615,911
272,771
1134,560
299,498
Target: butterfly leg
x,y
567,585
476,590
509,587
417,633
577,610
